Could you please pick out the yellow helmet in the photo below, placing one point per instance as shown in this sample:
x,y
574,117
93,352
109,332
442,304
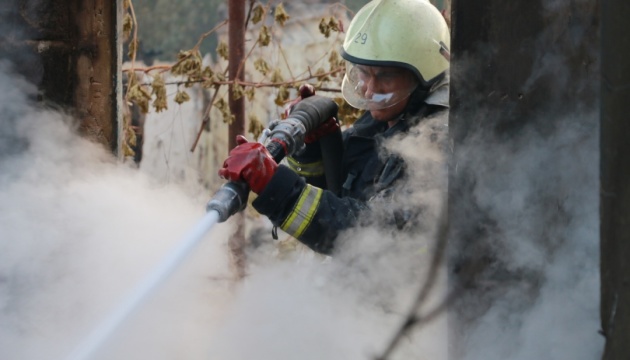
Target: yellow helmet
x,y
411,34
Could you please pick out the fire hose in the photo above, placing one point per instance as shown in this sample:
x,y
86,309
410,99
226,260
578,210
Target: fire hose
x,y
286,137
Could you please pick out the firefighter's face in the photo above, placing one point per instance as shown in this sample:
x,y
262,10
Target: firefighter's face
x,y
391,81
383,90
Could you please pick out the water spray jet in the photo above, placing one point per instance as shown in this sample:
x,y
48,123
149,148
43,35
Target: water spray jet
x,y
285,137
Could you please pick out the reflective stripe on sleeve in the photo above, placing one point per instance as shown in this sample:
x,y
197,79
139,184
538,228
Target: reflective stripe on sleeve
x,y
310,169
303,211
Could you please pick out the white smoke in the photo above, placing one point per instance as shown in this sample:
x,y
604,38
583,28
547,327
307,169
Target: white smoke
x,y
541,190
301,306
78,231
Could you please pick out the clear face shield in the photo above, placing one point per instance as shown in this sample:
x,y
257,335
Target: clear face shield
x,y
377,87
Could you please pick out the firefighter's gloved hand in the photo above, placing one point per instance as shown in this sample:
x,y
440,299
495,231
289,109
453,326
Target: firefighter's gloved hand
x,y
250,162
305,90
328,127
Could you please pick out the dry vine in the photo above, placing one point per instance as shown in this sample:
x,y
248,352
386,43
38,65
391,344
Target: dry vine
x,y
190,70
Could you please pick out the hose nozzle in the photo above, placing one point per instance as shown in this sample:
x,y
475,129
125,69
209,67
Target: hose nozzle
x,y
307,115
229,199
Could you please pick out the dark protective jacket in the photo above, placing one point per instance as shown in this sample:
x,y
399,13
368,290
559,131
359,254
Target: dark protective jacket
x,y
296,200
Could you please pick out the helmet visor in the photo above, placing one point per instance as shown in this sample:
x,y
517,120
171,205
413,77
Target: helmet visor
x,y
377,87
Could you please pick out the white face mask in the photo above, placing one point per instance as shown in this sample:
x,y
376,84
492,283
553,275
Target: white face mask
x,y
377,87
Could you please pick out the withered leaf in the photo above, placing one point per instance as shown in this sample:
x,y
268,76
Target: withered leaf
x,y
282,96
257,14
255,126
223,50
264,37
181,97
280,15
261,65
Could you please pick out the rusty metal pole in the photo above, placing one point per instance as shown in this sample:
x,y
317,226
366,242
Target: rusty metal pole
x,y
236,34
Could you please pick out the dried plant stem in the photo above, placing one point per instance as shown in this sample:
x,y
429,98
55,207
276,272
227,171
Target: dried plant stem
x,y
206,119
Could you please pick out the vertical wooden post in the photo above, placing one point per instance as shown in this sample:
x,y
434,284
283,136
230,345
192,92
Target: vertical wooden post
x,y
70,51
97,56
504,82
615,178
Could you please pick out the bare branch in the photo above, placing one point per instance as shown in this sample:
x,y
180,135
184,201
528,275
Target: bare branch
x,y
206,118
205,35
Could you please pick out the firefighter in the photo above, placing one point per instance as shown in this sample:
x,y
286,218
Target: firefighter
x,y
397,55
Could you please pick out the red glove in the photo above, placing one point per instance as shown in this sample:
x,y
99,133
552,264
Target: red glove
x,y
329,126
249,162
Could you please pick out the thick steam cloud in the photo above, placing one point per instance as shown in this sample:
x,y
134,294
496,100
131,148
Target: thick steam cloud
x,y
78,231
539,199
